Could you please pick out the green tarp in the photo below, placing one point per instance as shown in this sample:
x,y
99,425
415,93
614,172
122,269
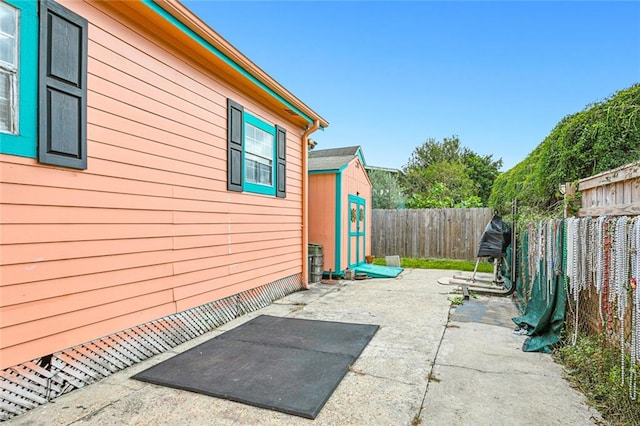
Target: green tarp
x,y
544,314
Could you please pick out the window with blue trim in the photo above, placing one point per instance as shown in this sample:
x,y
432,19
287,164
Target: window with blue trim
x,y
256,154
18,77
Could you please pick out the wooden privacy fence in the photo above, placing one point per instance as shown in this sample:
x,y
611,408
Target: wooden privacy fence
x,y
429,233
613,196
614,193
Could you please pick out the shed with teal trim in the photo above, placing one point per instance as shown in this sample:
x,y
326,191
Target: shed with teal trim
x,y
340,207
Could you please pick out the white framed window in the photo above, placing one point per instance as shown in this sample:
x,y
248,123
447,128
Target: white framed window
x,y
259,152
259,155
9,31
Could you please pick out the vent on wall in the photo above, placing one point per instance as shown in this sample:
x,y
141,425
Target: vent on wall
x,y
28,385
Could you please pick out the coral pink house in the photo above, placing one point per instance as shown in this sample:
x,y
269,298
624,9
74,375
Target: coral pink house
x,y
340,206
153,185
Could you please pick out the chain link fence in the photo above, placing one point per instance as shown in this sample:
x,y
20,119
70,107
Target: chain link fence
x,y
586,270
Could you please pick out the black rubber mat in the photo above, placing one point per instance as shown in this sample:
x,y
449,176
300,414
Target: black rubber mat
x,y
284,364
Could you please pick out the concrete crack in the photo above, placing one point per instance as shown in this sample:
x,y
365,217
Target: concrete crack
x,y
93,413
506,373
391,379
431,367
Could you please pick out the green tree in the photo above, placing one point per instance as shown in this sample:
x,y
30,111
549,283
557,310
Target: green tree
x,y
387,193
483,171
438,197
465,176
432,152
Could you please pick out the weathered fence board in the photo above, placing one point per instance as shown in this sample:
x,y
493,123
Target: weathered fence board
x,y
613,193
429,233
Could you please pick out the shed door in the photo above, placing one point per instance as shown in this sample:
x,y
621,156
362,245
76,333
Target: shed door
x,y
357,226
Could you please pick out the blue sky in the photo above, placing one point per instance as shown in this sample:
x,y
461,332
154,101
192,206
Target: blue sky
x,y
388,75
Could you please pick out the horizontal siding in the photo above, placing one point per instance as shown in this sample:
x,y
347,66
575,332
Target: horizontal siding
x,y
47,270
27,253
25,174
255,238
84,333
151,64
155,82
176,129
149,229
30,233
38,328
249,280
31,291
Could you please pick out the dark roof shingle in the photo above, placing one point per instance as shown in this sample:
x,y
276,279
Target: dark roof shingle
x,y
332,158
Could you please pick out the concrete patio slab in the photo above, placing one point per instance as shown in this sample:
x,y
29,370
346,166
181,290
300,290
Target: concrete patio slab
x,y
427,364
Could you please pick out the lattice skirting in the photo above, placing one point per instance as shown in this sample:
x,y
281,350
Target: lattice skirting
x,y
28,385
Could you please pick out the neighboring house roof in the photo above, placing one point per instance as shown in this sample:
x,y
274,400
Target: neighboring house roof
x,y
333,158
383,169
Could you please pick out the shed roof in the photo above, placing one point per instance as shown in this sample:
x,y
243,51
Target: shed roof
x,y
333,158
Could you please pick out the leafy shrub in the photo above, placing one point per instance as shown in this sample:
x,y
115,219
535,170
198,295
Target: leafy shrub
x,y
595,369
602,137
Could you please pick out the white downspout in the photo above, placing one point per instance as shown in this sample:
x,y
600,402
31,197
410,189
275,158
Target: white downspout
x,y
305,203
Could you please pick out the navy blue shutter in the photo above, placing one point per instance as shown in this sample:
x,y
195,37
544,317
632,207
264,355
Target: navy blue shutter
x,y
62,87
235,138
281,168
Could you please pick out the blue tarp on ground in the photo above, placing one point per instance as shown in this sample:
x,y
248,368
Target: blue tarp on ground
x,y
378,271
